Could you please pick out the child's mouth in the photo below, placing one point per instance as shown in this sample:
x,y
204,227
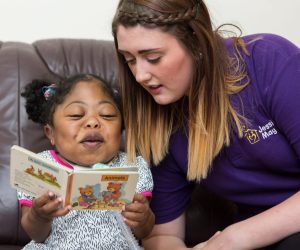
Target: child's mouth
x,y
92,141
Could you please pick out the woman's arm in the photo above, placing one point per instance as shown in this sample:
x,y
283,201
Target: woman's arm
x,y
261,230
167,236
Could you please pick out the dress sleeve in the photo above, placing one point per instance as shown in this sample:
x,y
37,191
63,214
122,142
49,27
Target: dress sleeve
x,y
145,181
24,199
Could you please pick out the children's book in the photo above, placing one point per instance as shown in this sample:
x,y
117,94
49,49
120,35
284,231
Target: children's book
x,y
104,188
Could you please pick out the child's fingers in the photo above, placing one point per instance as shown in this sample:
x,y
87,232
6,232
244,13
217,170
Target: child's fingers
x,y
136,213
135,219
53,205
135,207
43,199
133,216
62,211
140,198
139,204
131,224
54,209
48,206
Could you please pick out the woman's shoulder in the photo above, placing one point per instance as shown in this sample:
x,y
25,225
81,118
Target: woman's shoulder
x,y
265,42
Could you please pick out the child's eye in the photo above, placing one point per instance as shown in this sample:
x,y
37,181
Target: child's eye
x,y
75,116
108,116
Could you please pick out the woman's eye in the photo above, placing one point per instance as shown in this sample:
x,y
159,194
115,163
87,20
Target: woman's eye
x,y
153,60
129,61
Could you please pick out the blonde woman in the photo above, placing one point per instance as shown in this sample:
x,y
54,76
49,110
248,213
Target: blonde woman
x,y
221,111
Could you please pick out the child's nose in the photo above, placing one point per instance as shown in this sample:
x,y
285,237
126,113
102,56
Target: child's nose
x,y
93,122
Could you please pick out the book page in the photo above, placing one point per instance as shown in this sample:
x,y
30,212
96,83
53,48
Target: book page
x,y
104,190
35,175
105,167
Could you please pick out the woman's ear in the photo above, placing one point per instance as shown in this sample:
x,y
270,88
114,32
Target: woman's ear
x,y
48,130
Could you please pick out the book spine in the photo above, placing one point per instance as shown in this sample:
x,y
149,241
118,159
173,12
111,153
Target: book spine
x,y
68,193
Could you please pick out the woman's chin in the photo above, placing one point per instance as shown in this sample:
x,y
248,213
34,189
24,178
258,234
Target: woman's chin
x,y
163,100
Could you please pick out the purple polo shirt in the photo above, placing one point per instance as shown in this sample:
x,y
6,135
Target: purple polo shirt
x,y
262,168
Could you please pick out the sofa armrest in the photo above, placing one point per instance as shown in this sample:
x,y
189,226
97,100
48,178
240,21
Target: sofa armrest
x,y
11,231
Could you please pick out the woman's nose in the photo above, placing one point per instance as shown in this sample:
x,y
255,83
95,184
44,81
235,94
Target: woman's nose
x,y
142,74
93,122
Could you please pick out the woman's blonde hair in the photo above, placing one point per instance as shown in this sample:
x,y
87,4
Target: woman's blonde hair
x,y
211,116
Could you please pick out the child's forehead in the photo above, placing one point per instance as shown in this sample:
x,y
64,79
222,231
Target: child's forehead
x,y
87,91
89,83
93,85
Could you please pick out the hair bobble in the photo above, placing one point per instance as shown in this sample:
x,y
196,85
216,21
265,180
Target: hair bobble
x,y
49,91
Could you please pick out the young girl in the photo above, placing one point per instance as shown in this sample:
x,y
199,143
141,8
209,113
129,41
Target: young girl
x,y
81,118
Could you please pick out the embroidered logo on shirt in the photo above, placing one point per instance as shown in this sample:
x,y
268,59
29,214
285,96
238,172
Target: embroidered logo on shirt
x,y
251,135
264,132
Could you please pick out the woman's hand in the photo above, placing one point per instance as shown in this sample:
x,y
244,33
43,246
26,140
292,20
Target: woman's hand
x,y
139,216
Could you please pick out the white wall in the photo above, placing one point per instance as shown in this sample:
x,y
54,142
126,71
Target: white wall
x,y
256,16
30,20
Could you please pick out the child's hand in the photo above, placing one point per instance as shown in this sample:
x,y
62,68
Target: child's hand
x,y
37,219
48,206
139,216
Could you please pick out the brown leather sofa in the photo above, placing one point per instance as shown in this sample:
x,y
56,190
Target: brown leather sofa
x,y
55,59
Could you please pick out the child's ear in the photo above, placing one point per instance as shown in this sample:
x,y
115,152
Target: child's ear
x,y
48,130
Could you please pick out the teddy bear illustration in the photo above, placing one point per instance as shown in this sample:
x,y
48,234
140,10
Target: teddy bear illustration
x,y
87,197
112,194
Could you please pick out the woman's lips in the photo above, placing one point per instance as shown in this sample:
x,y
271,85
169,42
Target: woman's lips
x,y
155,89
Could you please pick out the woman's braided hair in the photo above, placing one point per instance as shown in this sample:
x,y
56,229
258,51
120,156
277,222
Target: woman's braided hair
x,y
161,18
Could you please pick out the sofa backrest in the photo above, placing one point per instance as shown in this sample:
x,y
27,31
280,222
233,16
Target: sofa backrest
x,y
20,63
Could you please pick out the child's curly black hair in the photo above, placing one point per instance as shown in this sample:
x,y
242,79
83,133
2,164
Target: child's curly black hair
x,y
42,96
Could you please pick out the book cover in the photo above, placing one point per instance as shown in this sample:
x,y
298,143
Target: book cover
x,y
101,188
